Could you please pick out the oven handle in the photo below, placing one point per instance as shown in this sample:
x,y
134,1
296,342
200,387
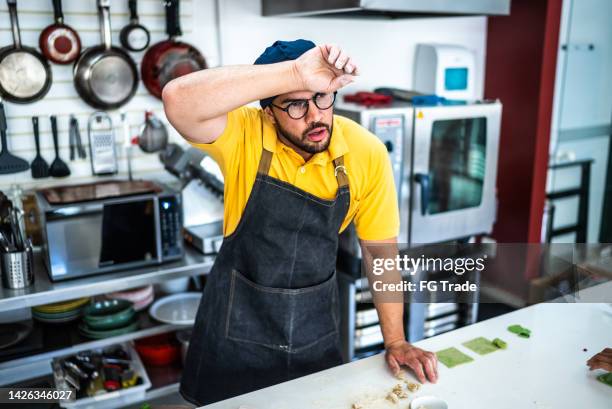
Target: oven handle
x,y
423,180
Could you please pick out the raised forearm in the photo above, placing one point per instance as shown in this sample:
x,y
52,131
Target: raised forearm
x,y
210,93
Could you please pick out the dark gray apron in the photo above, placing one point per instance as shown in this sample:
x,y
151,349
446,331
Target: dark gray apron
x,y
269,312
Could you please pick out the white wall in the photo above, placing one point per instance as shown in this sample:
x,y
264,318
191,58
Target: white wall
x,y
384,49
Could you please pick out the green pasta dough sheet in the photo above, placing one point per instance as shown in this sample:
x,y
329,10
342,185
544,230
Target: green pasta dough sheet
x,y
520,331
605,378
452,357
481,346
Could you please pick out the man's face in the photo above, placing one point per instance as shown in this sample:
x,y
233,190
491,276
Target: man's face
x,y
311,133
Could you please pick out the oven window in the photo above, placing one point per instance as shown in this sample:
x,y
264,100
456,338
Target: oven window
x,y
128,233
457,164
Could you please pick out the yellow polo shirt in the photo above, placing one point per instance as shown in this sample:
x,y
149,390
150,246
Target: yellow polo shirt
x,y
373,204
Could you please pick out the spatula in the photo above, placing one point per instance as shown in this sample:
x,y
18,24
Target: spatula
x,y
9,163
58,168
40,167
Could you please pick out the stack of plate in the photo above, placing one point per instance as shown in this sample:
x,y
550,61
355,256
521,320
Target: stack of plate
x,y
108,318
60,312
141,297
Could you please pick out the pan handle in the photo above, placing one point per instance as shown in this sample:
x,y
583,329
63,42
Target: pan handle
x,y
12,6
3,127
132,5
173,24
104,17
57,11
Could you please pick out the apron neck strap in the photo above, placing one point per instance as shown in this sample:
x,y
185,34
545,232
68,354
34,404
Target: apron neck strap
x,y
339,169
340,172
264,162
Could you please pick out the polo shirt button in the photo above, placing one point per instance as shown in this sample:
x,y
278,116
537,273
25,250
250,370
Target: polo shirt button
x,y
302,169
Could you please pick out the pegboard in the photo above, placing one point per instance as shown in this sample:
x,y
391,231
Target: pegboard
x,y
62,99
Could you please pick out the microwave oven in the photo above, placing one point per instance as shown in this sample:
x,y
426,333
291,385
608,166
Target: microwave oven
x,y
444,158
111,234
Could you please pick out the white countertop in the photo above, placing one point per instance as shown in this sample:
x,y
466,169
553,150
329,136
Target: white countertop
x,y
547,370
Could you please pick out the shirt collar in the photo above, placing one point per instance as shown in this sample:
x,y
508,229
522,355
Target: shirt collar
x,y
337,145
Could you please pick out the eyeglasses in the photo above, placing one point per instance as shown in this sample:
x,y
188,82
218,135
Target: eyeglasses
x,y
298,108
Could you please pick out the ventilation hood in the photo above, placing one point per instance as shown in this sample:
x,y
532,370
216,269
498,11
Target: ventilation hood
x,y
384,8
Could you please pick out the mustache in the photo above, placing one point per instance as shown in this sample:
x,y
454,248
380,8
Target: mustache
x,y
315,125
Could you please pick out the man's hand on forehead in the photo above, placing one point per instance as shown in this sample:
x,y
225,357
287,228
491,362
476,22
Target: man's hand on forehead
x,y
325,68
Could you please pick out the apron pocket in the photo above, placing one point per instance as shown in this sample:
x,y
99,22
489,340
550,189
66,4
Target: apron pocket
x,y
289,320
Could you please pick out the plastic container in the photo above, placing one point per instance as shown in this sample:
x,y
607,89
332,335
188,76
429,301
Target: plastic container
x,y
119,398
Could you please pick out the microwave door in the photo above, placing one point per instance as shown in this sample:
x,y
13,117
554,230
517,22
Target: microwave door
x,y
454,172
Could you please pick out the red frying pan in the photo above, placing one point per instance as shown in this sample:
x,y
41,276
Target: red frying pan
x,y
59,42
169,59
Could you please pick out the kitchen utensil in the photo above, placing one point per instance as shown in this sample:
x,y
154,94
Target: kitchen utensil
x,y
171,58
153,134
178,309
25,75
429,402
110,322
102,309
141,297
17,268
105,76
127,143
76,144
59,42
39,166
102,144
77,134
9,163
134,36
158,350
99,334
13,333
174,286
58,168
183,338
62,306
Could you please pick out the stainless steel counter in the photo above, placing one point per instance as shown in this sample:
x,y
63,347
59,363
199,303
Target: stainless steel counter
x,y
44,291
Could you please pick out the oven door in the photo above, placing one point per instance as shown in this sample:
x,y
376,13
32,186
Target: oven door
x,y
454,171
104,236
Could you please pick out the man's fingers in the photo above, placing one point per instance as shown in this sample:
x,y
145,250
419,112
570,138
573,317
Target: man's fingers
x,y
340,82
599,364
429,368
350,67
334,52
417,368
393,364
342,60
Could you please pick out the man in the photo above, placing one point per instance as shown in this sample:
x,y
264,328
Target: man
x,y
295,176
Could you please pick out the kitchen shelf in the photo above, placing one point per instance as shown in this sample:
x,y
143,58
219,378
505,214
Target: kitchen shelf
x,y
38,363
44,291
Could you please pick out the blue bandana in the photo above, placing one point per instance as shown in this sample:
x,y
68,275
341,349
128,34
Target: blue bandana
x,y
282,51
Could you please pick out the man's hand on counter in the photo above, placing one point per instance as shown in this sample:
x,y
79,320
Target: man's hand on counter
x,y
602,360
421,362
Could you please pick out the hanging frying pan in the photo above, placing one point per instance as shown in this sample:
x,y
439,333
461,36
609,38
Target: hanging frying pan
x,y
134,36
169,59
105,76
59,42
25,75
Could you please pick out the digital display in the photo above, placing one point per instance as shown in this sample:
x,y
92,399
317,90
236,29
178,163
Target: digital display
x,y
455,79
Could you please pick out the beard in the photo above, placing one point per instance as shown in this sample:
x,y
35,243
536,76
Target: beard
x,y
302,142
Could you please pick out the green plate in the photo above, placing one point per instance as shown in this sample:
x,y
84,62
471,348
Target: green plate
x,y
90,333
56,315
120,319
102,309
